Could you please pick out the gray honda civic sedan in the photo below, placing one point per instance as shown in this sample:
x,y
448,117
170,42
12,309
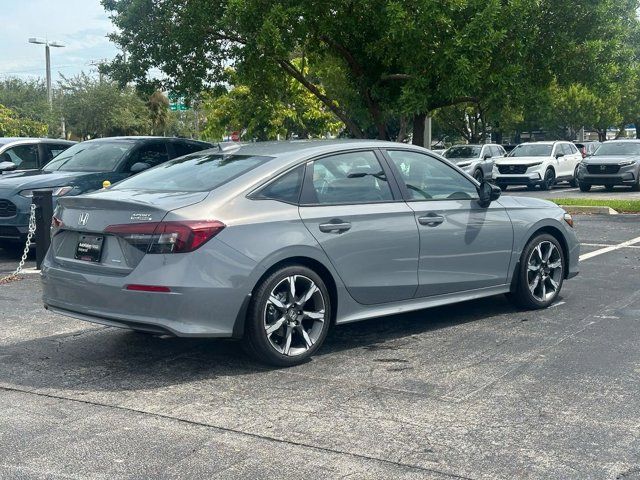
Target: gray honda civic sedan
x,y
275,242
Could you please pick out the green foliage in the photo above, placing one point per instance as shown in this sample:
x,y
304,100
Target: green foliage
x,y
28,98
14,125
100,109
158,105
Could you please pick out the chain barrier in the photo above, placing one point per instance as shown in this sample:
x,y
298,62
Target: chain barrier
x,y
27,246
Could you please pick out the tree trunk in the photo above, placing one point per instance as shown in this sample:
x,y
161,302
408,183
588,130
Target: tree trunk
x,y
418,129
402,133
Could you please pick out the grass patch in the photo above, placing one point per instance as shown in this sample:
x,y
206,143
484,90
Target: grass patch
x,y
623,206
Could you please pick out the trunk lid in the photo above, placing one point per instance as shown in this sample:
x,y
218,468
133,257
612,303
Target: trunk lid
x,y
84,220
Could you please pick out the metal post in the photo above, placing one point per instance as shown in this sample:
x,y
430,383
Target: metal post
x,y
427,132
43,201
48,61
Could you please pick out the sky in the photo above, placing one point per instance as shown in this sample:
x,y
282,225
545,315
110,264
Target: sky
x,y
82,25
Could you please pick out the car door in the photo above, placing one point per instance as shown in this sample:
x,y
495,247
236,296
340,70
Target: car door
x,y
463,246
354,209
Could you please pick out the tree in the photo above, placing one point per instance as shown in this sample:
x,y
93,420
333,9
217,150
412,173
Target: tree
x,y
158,105
14,125
28,99
101,109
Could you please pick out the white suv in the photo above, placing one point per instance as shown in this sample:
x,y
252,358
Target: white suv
x,y
538,163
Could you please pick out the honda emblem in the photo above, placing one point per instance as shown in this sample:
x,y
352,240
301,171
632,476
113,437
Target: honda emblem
x,y
82,219
603,167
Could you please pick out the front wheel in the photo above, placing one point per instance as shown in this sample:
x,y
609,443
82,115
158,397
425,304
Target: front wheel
x,y
289,317
574,181
549,179
584,187
540,273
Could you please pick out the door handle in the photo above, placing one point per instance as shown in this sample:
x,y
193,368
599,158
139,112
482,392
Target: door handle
x,y
431,220
334,226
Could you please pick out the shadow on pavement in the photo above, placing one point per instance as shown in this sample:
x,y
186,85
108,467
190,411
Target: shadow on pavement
x,y
110,359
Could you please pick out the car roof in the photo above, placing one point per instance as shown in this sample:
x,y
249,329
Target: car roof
x,y
141,138
304,147
5,140
625,140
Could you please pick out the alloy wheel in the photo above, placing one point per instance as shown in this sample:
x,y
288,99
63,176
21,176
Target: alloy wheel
x,y
294,315
544,271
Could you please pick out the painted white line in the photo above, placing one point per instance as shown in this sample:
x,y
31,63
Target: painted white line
x,y
606,245
30,271
600,251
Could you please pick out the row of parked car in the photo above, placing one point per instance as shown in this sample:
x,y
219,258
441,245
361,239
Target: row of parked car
x,y
543,164
70,168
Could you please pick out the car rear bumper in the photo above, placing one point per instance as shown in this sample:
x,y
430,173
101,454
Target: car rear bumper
x,y
208,290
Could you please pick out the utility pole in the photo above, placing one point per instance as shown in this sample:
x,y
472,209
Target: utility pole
x,y
47,44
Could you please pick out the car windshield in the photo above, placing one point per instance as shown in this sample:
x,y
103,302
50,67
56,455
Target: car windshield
x,y
618,148
194,173
531,150
463,151
102,156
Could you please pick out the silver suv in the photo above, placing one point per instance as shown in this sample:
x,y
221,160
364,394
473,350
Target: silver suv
x,y
19,154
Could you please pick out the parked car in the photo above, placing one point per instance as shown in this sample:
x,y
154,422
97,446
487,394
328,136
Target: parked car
x,y
616,162
82,168
275,242
587,148
476,160
538,163
19,154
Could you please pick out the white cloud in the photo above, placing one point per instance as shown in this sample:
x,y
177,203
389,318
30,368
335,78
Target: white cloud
x,y
82,25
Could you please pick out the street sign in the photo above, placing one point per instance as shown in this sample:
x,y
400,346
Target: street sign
x,y
235,136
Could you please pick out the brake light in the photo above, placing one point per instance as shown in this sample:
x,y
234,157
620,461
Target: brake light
x,y
167,237
56,222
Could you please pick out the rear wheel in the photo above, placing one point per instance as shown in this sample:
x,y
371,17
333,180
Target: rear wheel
x,y
584,187
549,179
540,273
289,317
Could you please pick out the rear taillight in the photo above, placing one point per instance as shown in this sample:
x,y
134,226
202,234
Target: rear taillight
x,y
56,225
167,237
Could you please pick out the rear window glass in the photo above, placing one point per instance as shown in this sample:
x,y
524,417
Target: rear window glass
x,y
194,173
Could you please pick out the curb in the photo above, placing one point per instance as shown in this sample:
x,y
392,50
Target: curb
x,y
578,209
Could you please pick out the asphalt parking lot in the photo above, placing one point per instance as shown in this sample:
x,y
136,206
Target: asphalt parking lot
x,y
477,390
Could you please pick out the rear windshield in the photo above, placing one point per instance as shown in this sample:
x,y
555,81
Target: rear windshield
x,y
531,150
102,156
463,151
194,173
618,148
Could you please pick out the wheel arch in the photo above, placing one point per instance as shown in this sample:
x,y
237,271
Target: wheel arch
x,y
556,233
312,263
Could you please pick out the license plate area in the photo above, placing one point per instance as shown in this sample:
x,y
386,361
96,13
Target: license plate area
x,y
89,248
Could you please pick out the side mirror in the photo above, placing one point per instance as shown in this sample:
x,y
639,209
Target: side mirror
x,y
138,167
7,166
487,156
558,155
488,193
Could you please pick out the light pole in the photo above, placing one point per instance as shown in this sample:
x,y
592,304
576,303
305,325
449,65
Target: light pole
x,y
47,44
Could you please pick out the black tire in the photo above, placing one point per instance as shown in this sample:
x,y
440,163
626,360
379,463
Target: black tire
x,y
522,295
531,187
574,181
261,345
608,188
478,175
12,248
502,186
549,179
636,186
584,187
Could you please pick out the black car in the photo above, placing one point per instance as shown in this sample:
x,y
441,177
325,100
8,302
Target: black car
x,y
18,154
80,169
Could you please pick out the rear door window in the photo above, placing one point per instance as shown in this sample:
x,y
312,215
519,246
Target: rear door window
x,y
350,178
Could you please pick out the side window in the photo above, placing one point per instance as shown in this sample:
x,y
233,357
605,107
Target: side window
x,y
24,156
284,189
52,150
152,154
566,148
427,178
486,150
185,148
350,178
497,151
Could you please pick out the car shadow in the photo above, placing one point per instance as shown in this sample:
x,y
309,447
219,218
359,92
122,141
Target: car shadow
x,y
111,359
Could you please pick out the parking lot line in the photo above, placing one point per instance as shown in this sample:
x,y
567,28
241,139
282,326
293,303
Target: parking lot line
x,y
611,248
